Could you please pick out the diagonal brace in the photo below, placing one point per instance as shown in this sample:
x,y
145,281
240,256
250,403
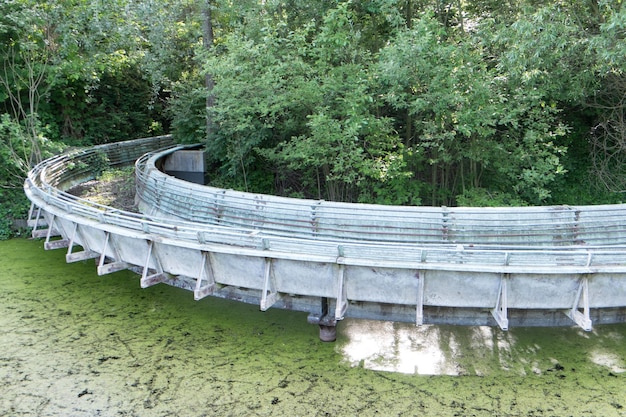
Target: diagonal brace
x,y
579,317
419,310
86,253
110,267
500,311
342,294
269,295
156,278
205,284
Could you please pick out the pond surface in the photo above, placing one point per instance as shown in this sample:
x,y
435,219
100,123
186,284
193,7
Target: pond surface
x,y
76,344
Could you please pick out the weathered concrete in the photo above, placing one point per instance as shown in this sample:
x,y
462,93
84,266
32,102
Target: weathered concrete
x,y
187,164
526,266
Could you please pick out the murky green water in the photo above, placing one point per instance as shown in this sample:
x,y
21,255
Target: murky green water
x,y
75,344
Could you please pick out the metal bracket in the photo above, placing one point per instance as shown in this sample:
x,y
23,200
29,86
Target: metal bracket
x,y
206,275
269,295
35,220
156,278
86,253
342,295
50,232
581,318
108,268
499,312
32,222
419,310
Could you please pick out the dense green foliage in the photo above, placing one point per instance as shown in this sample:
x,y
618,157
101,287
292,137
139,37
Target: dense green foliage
x,y
385,101
369,103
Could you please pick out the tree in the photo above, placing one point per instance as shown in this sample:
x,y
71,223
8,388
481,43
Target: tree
x,y
300,101
70,72
25,54
608,135
475,122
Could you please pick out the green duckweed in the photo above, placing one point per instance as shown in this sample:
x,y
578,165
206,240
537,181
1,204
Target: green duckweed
x,y
77,344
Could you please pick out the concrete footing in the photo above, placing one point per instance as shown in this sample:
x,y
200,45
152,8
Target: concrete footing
x,y
328,333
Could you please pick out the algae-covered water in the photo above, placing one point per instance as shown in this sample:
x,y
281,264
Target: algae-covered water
x,y
76,344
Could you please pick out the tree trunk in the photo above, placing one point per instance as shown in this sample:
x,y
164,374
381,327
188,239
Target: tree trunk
x,y
207,42
461,22
408,17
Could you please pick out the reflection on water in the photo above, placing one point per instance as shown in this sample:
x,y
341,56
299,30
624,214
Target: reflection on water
x,y
609,360
450,350
398,347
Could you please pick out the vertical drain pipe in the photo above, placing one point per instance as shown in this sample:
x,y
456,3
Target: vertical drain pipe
x,y
328,325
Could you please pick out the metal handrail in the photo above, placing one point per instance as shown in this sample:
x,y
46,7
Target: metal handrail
x,y
550,226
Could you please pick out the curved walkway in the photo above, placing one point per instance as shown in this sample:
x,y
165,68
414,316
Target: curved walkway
x,y
520,266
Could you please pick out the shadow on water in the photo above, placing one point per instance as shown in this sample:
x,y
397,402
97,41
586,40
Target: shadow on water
x,y
76,344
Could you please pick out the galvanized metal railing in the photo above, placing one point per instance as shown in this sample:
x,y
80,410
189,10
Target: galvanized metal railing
x,y
505,227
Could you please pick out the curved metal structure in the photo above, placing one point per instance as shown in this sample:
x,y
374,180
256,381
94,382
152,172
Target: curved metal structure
x,y
521,266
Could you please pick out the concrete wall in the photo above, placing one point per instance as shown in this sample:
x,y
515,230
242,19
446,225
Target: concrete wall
x,y
187,164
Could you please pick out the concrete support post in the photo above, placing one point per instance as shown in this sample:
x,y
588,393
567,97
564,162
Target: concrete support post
x,y
326,322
